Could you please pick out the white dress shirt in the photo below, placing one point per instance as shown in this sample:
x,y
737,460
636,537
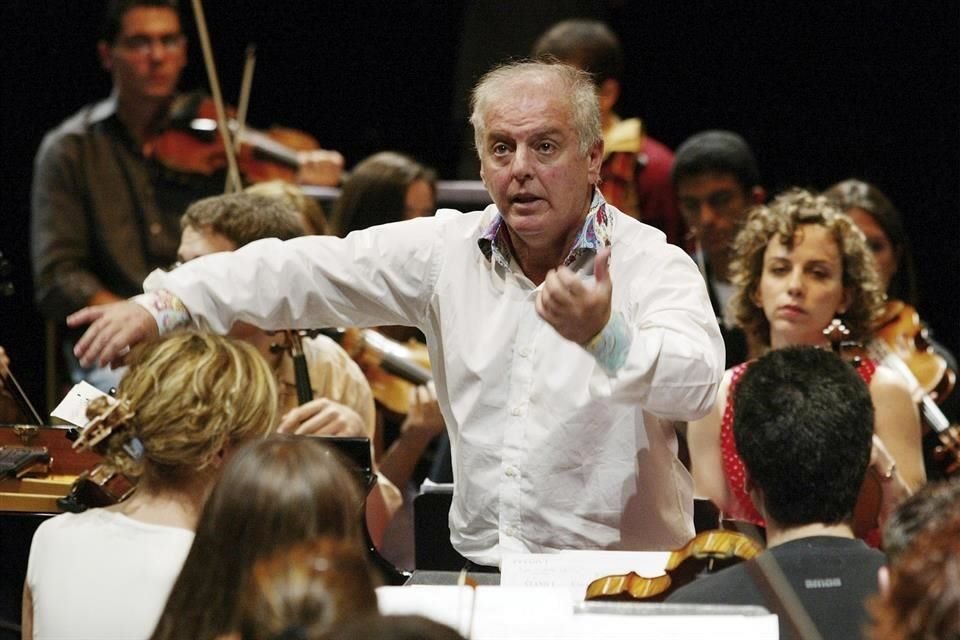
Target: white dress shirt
x,y
550,451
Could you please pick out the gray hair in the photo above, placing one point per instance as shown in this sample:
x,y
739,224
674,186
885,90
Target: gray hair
x,y
577,85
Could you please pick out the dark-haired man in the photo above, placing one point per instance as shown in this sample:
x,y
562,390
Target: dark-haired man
x,y
717,181
635,174
103,214
803,424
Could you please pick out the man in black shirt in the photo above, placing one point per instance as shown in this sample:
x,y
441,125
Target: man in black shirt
x,y
717,181
803,424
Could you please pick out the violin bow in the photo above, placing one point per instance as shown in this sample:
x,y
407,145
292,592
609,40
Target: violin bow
x,y
233,185
8,380
246,83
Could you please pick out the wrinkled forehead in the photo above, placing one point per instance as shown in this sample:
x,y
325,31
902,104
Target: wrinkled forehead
x,y
528,98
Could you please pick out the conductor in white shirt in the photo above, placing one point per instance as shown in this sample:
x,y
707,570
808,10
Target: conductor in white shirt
x,y
565,336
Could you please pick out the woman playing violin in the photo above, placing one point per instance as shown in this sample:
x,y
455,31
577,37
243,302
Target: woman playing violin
x,y
800,264
930,362
185,403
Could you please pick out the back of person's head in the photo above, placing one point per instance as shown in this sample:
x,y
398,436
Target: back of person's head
x,y
376,190
716,152
184,398
586,44
243,218
858,194
271,494
392,627
116,9
922,600
932,503
313,217
303,590
803,424
569,83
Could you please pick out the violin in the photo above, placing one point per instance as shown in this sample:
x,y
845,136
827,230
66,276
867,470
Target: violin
x,y
188,142
947,451
391,367
866,511
102,485
906,337
707,552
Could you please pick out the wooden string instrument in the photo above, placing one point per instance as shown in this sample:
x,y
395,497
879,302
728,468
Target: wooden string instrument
x,y
707,552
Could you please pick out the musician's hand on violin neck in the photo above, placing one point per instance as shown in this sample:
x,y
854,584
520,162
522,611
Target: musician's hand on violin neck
x,y
321,167
114,328
323,417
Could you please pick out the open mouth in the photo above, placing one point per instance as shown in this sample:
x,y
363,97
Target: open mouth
x,y
524,198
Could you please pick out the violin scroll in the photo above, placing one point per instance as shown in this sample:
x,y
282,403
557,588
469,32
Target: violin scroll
x,y
707,552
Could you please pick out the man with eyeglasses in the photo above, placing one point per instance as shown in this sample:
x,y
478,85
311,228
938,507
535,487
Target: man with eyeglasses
x,y
103,214
717,181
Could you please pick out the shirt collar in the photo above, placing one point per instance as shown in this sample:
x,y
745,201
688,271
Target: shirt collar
x,y
595,234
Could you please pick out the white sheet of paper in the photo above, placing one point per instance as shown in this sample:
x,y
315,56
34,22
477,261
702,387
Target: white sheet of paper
x,y
449,605
73,407
574,570
532,613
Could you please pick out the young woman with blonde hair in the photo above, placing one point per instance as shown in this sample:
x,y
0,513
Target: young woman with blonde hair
x,y
185,403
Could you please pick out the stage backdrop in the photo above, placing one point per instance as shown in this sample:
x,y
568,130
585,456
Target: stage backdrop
x,y
822,92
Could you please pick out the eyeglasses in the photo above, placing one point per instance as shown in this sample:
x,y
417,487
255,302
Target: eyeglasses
x,y
143,45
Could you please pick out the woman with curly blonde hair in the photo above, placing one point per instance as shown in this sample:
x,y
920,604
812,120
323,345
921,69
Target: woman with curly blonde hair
x,y
186,402
802,265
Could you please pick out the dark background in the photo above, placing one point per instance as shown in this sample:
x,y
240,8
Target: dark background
x,y
822,91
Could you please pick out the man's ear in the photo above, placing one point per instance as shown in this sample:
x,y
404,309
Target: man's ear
x,y
752,490
595,162
103,53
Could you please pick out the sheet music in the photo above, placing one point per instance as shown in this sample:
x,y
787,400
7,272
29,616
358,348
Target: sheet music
x,y
73,407
574,570
532,613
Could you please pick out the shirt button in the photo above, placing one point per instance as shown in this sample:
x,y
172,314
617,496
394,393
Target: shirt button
x,y
516,411
509,472
155,228
524,352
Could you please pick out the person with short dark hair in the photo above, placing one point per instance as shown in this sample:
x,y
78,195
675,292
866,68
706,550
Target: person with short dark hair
x,y
635,174
803,424
716,180
104,212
